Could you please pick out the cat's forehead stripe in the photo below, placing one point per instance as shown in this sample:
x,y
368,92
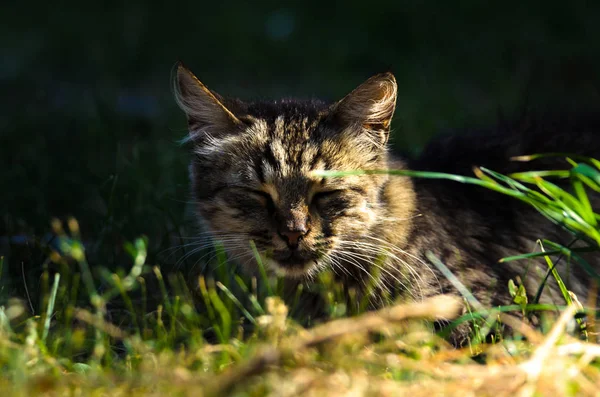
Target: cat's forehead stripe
x,y
309,156
279,127
291,146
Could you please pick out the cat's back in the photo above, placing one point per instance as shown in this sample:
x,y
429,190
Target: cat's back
x,y
470,227
550,132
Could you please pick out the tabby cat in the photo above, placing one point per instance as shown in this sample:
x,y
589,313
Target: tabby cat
x,y
252,179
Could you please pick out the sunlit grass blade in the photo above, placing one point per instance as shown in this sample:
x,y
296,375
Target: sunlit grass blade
x,y
138,251
589,182
119,284
163,290
76,250
250,295
221,309
587,213
261,268
144,298
222,268
50,307
482,314
210,311
573,254
513,184
236,301
588,172
536,156
563,250
462,289
531,176
561,285
567,201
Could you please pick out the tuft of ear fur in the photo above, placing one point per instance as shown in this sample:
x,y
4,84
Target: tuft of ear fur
x,y
204,108
370,105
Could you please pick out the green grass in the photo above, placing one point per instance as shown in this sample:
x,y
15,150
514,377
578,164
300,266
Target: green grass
x,y
142,330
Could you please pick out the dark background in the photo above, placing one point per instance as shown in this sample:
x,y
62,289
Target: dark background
x,y
88,126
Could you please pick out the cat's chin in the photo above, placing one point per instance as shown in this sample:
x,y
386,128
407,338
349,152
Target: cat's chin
x,y
291,270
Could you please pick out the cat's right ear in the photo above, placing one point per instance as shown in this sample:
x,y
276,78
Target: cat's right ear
x,y
371,105
204,108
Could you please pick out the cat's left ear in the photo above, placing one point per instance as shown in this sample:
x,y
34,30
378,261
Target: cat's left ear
x,y
371,105
204,108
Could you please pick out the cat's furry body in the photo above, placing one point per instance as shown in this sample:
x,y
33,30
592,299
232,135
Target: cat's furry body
x,y
475,227
252,180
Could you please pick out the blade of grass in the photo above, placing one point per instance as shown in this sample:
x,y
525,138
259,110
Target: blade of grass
x,y
572,253
507,180
588,172
221,309
567,201
538,254
50,307
481,314
471,300
76,250
530,176
589,183
250,295
536,156
209,307
236,301
142,282
261,268
163,290
119,284
587,213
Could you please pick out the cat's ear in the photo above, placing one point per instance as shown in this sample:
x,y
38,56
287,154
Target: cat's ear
x,y
371,105
204,108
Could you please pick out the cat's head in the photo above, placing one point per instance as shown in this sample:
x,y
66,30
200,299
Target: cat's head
x,y
252,170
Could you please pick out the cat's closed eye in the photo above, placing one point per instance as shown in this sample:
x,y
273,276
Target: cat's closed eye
x,y
325,194
264,197
334,202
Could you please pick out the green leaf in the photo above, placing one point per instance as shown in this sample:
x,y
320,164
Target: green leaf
x,y
512,288
587,213
520,297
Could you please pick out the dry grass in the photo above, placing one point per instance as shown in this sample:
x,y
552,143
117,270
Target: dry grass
x,y
339,358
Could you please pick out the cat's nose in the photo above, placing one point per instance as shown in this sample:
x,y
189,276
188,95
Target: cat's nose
x,y
293,237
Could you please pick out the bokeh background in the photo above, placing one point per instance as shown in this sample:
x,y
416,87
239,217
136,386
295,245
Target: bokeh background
x,y
89,129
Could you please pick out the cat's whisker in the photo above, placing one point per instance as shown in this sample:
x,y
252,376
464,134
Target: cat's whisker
x,y
249,255
231,244
403,252
378,249
337,263
189,254
350,259
371,296
383,281
207,239
175,248
373,262
231,258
